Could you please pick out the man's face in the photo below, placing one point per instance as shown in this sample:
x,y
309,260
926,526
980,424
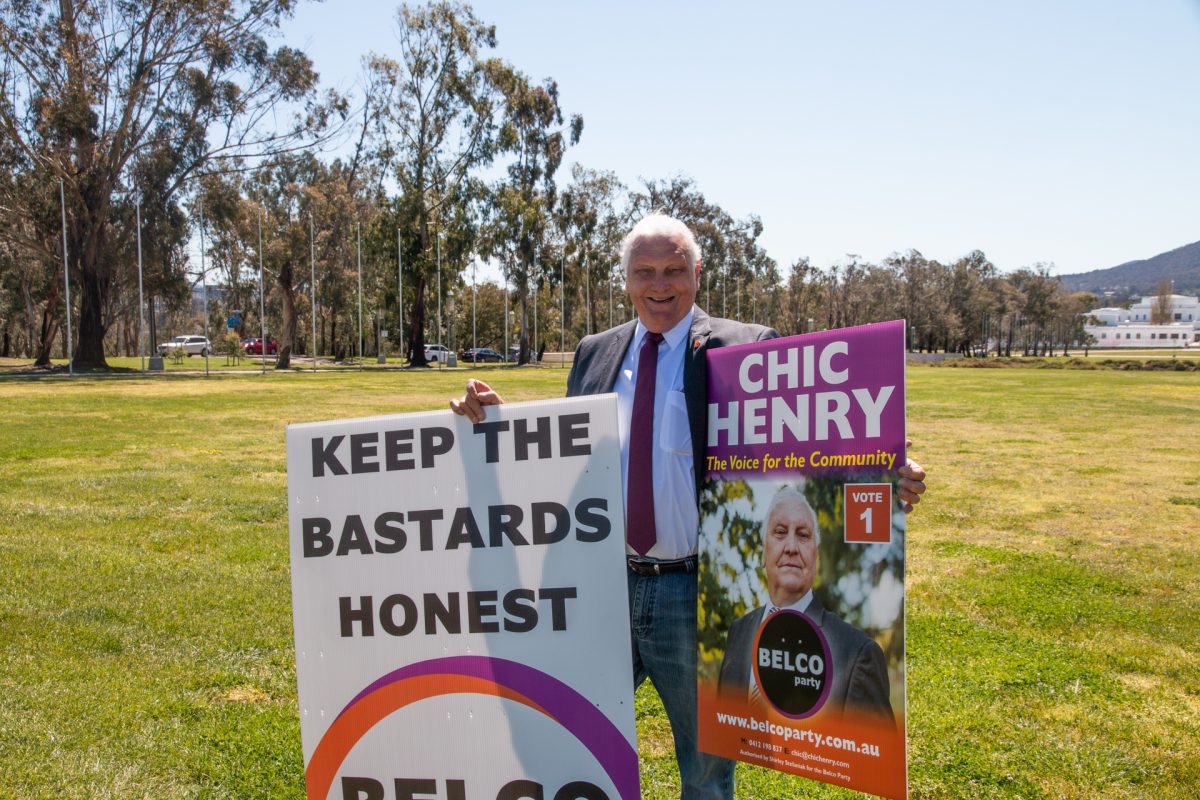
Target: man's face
x,y
661,282
789,552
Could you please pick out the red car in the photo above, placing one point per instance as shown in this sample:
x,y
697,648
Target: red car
x,y
254,347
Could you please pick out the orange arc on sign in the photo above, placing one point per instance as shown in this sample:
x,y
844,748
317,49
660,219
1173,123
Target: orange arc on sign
x,y
349,728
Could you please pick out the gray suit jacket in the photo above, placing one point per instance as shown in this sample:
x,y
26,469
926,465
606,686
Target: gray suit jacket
x,y
860,677
598,360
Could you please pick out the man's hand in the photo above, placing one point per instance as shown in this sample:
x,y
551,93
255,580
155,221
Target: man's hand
x,y
911,483
479,394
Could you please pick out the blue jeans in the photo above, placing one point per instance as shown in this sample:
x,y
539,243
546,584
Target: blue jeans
x,y
662,611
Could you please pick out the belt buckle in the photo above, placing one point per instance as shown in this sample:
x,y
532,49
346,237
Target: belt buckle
x,y
643,566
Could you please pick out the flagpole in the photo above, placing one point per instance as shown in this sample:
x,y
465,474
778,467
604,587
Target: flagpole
x,y
262,305
204,284
400,293
141,298
312,254
360,310
62,195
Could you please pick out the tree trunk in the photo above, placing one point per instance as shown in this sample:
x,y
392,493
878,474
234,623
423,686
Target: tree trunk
x,y
523,342
152,342
416,325
89,353
287,336
48,328
319,320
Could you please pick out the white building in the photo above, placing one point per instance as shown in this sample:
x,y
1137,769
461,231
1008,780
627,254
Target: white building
x,y
1120,327
1110,316
1183,309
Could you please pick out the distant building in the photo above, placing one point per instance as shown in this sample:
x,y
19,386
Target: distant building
x,y
1183,309
1110,316
1130,327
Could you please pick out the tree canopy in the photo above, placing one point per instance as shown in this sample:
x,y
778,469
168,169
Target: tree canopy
x,y
158,111
117,97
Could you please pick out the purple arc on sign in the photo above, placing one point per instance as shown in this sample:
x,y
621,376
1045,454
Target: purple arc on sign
x,y
561,702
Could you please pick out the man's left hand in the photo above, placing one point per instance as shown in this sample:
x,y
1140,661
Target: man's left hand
x,y
912,482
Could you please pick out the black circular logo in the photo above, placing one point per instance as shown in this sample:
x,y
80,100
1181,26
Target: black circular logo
x,y
792,664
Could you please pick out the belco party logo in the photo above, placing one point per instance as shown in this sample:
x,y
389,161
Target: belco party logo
x,y
792,664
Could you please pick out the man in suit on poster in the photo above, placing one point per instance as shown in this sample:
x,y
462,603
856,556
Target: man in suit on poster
x,y
790,539
657,367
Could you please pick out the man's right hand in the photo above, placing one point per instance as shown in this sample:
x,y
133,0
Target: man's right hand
x,y
471,404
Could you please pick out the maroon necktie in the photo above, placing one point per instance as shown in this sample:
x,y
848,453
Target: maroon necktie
x,y
639,516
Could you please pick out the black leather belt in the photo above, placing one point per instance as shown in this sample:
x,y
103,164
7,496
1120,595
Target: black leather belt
x,y
646,567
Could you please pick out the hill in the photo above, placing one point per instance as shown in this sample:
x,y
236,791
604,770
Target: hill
x,y
1181,265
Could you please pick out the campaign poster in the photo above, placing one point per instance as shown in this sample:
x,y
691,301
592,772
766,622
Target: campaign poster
x,y
460,605
801,609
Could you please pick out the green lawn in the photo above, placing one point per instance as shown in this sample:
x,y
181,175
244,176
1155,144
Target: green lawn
x,y
224,365
145,624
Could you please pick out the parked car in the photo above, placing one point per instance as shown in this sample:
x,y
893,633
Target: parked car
x,y
437,352
254,347
514,354
191,345
477,354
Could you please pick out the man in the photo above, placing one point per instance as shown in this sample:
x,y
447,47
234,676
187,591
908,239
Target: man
x,y
661,261
859,672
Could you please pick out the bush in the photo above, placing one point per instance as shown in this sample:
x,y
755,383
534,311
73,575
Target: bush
x,y
231,346
1039,362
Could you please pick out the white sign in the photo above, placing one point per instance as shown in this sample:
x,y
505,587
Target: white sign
x,y
460,605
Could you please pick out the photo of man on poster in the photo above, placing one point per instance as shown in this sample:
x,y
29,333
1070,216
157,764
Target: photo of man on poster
x,y
790,539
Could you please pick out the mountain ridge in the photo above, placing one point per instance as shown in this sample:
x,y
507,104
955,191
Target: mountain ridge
x,y
1142,276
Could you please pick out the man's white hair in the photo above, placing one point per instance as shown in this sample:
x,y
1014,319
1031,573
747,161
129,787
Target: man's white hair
x,y
791,493
653,226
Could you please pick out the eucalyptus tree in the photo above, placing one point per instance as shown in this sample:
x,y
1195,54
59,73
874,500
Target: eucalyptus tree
x,y
917,304
972,291
1008,301
99,87
533,134
297,217
593,217
32,281
478,318
231,246
433,126
16,333
804,297
1070,315
1161,308
1037,288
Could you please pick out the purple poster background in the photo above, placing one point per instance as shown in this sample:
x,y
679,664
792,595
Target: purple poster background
x,y
808,404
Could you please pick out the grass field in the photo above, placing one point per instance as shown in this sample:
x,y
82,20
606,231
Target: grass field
x,y
124,366
145,624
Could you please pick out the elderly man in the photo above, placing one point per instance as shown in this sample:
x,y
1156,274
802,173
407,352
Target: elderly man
x,y
790,538
657,367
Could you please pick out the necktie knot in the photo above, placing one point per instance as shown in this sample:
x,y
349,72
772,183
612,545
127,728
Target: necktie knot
x,y
654,337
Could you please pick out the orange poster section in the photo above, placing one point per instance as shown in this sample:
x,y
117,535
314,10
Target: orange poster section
x,y
859,754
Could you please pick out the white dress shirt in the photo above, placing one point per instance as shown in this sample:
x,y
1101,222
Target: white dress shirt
x,y
676,516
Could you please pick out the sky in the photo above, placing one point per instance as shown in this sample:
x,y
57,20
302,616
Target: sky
x,y
1061,132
